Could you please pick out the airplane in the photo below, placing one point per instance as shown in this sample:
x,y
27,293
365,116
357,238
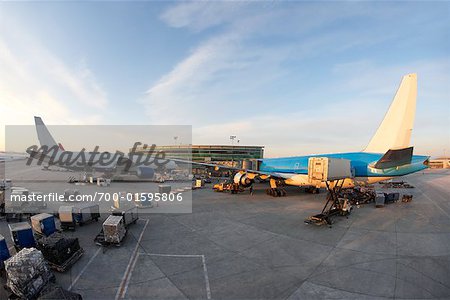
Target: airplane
x,y
387,155
54,154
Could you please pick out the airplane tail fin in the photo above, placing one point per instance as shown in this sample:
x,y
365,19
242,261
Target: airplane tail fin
x,y
44,136
395,130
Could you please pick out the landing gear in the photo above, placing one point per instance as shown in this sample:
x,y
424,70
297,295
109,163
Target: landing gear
x,y
333,206
312,190
275,190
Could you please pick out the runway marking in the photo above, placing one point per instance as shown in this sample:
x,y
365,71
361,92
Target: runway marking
x,y
84,269
130,267
205,270
434,202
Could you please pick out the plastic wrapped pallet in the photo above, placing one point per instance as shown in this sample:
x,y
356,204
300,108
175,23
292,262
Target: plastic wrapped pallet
x,y
28,273
57,248
114,229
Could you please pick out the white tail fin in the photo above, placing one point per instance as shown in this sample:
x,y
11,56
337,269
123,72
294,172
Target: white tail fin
x,y
395,130
44,136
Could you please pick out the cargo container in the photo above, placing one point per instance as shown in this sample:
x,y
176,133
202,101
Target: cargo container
x,y
22,235
114,229
143,199
120,199
85,212
379,199
43,224
391,197
164,189
5,184
4,251
66,217
129,215
327,169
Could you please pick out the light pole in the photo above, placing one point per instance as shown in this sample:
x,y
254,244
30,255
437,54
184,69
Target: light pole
x,y
232,137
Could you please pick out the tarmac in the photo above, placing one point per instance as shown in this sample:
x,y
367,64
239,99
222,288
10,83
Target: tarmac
x,y
256,246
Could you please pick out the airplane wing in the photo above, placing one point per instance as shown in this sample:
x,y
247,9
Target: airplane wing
x,y
250,172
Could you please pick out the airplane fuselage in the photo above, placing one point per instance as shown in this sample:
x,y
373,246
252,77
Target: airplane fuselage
x,y
361,163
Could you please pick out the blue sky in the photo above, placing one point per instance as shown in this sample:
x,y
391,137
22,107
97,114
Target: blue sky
x,y
297,77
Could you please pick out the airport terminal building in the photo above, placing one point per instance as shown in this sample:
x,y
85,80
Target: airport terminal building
x,y
218,154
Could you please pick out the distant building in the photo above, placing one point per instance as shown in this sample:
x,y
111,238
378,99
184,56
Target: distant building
x,y
440,163
218,154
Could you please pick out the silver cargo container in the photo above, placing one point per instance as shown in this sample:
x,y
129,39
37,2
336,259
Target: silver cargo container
x,y
164,188
327,169
84,212
114,229
130,214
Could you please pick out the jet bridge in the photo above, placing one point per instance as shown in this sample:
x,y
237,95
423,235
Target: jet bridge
x,y
333,172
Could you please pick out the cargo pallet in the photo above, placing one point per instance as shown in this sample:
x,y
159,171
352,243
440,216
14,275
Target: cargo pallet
x,y
100,240
68,226
13,296
68,263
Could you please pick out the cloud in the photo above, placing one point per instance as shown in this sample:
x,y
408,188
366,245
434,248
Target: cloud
x,y
201,15
34,81
252,74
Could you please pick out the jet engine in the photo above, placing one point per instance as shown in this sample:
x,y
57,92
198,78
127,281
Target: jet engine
x,y
243,180
145,172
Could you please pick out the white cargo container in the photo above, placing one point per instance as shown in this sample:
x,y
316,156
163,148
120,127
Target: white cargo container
x,y
66,214
114,229
328,169
66,218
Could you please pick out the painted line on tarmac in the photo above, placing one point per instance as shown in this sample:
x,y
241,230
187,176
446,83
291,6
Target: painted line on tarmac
x,y
433,202
205,270
84,269
121,292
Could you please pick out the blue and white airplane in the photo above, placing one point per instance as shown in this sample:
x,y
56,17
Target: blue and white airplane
x,y
387,155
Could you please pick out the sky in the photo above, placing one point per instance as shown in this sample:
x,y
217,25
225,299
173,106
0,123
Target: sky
x,y
296,77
